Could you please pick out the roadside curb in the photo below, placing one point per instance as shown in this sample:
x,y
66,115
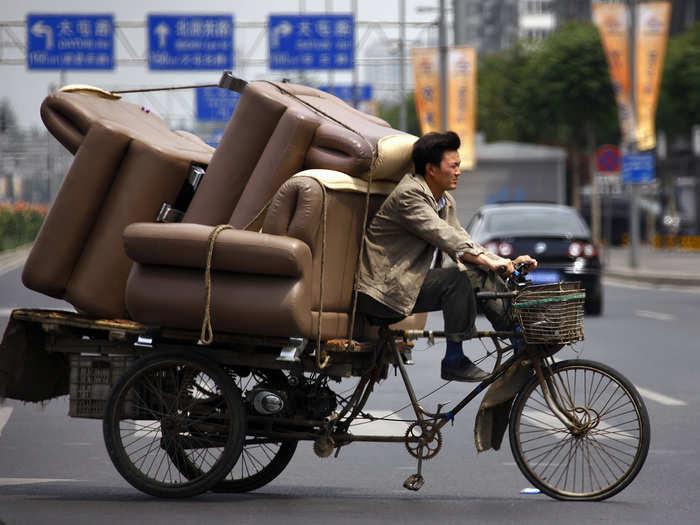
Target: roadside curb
x,y
10,259
654,278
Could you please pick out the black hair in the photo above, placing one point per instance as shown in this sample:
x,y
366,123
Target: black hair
x,y
430,148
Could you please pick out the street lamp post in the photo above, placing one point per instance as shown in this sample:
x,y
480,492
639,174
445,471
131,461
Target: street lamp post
x,y
443,66
633,253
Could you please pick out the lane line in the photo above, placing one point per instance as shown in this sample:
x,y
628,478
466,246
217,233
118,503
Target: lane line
x,y
653,396
5,413
27,481
659,316
367,427
660,398
13,265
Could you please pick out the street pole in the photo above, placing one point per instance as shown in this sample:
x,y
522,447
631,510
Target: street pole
x,y
443,67
633,259
331,75
355,75
403,124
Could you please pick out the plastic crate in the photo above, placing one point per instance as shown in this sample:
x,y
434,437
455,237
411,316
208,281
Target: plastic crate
x,y
91,380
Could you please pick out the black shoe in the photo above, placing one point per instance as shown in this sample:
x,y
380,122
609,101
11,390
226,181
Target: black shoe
x,y
462,370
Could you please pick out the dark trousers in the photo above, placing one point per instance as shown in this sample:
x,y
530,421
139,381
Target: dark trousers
x,y
452,291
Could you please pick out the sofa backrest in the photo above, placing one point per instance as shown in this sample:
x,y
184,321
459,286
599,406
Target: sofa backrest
x,y
297,211
127,164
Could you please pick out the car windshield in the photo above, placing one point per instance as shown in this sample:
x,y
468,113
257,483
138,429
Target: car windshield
x,y
540,221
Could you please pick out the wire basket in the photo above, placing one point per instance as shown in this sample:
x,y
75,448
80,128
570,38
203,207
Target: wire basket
x,y
551,313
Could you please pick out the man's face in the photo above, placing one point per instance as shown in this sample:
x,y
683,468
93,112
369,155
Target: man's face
x,y
444,177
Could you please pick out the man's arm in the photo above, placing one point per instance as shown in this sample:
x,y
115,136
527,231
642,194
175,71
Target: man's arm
x,y
493,262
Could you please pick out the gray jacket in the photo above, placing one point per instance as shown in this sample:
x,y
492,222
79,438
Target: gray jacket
x,y
401,240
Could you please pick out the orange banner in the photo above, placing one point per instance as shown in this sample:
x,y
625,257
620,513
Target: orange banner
x,y
613,21
461,93
650,39
426,73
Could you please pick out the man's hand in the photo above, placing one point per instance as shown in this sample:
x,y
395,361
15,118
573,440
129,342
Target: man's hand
x,y
532,263
496,263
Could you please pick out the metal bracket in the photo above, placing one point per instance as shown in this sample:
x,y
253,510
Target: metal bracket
x,y
228,81
292,350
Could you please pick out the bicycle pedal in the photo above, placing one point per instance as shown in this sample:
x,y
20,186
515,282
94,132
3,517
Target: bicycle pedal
x,y
414,482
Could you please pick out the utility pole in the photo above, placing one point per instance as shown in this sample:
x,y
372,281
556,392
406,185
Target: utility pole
x,y
403,124
443,66
355,75
635,188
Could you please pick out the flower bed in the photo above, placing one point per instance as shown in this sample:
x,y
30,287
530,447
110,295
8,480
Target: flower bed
x,y
19,223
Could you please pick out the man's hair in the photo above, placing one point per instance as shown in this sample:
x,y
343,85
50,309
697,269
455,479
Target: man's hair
x,y
431,147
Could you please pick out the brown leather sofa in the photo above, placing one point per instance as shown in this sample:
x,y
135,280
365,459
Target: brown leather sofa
x,y
268,282
266,272
128,162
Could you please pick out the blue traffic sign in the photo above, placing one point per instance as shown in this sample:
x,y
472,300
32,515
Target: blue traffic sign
x,y
638,168
179,42
311,41
216,104
344,92
70,41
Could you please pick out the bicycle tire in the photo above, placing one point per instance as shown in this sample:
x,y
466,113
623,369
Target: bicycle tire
x,y
261,461
167,413
589,465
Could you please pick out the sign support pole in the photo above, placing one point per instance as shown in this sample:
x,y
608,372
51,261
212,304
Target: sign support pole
x,y
633,254
402,66
443,68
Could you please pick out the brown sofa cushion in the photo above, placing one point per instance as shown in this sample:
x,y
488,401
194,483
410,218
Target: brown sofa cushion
x,y
187,245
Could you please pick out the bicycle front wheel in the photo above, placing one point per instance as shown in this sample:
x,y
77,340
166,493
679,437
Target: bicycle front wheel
x,y
604,449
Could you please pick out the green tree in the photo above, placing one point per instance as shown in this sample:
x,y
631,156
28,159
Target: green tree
x,y
679,99
390,113
498,93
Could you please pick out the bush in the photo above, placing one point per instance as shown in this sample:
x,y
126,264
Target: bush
x,y
19,223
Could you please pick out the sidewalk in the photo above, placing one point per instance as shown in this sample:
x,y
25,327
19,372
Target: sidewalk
x,y
655,266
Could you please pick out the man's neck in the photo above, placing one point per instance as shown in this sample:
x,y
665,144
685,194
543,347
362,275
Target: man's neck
x,y
437,192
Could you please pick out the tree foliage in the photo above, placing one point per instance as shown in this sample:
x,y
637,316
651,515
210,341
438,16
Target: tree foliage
x,y
553,93
679,100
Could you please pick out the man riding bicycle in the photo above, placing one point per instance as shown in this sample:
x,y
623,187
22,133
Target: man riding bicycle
x,y
401,271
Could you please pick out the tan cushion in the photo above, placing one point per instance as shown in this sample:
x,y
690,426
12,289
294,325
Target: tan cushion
x,y
187,245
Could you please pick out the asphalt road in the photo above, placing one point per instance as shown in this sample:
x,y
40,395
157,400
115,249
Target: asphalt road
x,y
54,469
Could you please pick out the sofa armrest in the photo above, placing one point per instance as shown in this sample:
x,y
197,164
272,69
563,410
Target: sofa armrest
x,y
240,251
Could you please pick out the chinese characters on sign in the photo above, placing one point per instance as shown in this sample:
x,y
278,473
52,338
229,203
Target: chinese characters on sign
x,y
69,41
461,93
190,42
362,92
216,104
311,41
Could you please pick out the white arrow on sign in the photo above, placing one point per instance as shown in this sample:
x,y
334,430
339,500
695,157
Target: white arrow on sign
x,y
162,31
284,29
40,29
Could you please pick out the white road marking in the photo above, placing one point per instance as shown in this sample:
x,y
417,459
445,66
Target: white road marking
x,y
13,265
5,413
27,481
654,396
367,427
610,281
654,315
660,398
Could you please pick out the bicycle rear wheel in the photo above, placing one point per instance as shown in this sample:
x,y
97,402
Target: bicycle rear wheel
x,y
606,450
174,425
